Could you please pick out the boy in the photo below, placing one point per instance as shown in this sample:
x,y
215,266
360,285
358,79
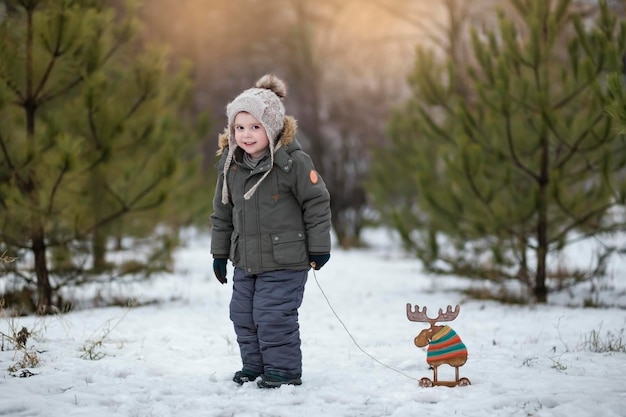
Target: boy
x,y
272,220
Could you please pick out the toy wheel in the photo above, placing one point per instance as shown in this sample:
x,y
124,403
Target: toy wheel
x,y
463,382
426,383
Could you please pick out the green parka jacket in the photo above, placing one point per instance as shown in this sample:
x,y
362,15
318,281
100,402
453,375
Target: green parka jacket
x,y
286,219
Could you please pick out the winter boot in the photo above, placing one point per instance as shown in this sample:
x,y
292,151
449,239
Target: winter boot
x,y
276,381
243,376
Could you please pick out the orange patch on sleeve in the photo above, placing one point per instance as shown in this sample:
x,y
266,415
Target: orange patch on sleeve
x,y
313,177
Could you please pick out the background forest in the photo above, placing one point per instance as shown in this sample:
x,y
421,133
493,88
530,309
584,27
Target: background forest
x,y
488,134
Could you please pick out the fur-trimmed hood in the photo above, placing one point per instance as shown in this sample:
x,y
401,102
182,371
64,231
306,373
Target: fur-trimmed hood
x,y
285,137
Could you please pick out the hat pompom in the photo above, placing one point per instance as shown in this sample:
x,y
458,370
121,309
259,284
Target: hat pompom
x,y
274,84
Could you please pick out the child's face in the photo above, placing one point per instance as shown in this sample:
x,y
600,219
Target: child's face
x,y
250,135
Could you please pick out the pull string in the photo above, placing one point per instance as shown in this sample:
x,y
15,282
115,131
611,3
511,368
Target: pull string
x,y
352,337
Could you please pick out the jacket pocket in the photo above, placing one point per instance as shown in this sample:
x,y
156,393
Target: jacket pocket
x,y
289,248
234,248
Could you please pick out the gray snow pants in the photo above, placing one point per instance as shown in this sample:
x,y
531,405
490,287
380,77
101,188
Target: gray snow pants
x,y
264,312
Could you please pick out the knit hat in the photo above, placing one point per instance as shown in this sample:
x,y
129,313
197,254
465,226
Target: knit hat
x,y
264,102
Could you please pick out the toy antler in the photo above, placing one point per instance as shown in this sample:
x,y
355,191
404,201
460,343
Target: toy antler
x,y
421,316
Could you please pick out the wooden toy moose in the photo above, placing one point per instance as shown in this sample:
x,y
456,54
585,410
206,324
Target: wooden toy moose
x,y
444,345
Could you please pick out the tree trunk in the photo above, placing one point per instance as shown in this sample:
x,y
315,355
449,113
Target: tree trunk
x,y
98,247
541,294
44,289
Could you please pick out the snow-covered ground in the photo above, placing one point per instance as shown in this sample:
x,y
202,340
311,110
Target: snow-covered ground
x,y
177,357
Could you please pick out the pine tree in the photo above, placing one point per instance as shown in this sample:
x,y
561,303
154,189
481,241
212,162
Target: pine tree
x,y
89,129
484,183
617,105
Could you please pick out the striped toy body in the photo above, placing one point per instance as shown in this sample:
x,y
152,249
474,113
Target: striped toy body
x,y
444,345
